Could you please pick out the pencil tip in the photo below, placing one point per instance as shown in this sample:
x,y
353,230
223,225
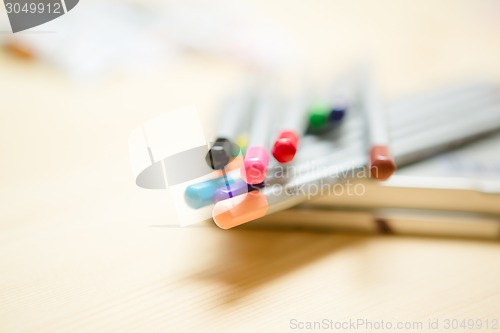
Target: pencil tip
x,y
382,165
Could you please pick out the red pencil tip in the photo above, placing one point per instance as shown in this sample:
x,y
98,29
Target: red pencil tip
x,y
382,165
285,147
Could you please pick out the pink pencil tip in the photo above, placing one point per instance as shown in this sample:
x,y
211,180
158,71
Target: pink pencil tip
x,y
255,165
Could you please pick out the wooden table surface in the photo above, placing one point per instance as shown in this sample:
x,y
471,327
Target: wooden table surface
x,y
77,250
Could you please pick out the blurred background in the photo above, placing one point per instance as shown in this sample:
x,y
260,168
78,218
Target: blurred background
x,y
78,249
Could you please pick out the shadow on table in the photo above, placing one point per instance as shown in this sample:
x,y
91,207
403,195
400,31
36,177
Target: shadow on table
x,y
249,259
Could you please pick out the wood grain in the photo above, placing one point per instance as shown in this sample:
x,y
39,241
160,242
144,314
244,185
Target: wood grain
x,y
78,252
